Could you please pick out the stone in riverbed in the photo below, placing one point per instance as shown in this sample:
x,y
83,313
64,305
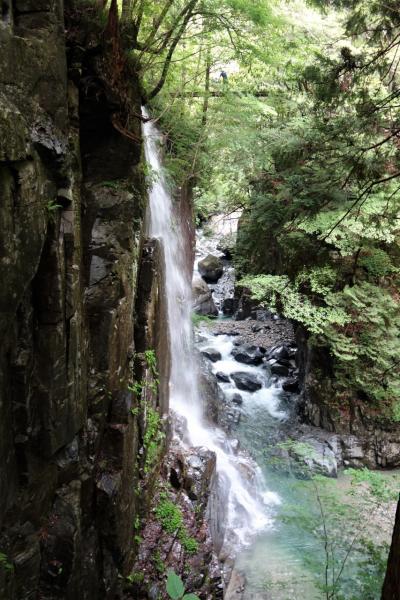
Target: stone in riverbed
x,y
313,458
291,385
306,457
249,355
229,306
222,377
237,399
279,352
279,369
211,268
246,381
211,354
202,303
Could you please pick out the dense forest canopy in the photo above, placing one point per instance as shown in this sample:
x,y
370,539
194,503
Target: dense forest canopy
x,y
289,112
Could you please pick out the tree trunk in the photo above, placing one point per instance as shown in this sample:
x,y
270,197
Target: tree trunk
x,y
126,14
206,88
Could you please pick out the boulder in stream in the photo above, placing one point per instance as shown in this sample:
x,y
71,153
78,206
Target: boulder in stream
x,y
223,377
203,303
246,381
291,385
212,354
308,456
229,306
237,399
211,268
279,369
249,355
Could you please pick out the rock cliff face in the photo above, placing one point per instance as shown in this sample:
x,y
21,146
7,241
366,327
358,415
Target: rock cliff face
x,y
391,586
71,242
365,437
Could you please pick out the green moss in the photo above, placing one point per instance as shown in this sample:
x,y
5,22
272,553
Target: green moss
x,y
171,519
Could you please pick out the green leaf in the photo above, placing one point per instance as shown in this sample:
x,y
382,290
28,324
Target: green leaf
x,y
190,597
175,588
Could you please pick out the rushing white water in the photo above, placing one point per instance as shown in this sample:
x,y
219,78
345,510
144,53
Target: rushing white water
x,y
247,498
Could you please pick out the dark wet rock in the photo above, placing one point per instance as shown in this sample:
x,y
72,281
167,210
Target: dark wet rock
x,y
291,385
229,331
70,255
211,354
193,496
154,591
246,381
279,369
279,352
203,303
249,355
210,268
237,399
229,306
200,466
236,586
210,391
222,377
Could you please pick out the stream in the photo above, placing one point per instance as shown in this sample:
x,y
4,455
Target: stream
x,y
267,552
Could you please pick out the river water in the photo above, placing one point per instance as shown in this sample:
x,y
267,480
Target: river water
x,y
270,550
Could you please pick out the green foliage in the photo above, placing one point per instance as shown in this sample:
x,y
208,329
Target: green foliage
x,y
282,296
139,386
346,558
5,563
158,562
135,577
190,544
176,589
199,319
377,262
169,514
171,519
153,437
52,206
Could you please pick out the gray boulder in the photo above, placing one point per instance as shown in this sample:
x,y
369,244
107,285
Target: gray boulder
x,y
202,300
211,268
246,381
249,355
312,457
279,369
211,354
222,377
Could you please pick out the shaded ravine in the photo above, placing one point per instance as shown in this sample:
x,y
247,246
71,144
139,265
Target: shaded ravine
x,y
286,560
269,553
246,512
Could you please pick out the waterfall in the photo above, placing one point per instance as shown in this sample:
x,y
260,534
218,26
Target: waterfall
x,y
245,511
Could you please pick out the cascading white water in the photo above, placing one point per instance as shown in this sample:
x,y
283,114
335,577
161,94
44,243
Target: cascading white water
x,y
246,512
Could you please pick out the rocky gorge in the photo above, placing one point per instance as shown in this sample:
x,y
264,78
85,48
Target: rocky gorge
x,y
258,359
129,447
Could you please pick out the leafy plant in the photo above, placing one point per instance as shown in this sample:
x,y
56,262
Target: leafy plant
x,y
153,437
52,206
5,563
176,589
171,519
